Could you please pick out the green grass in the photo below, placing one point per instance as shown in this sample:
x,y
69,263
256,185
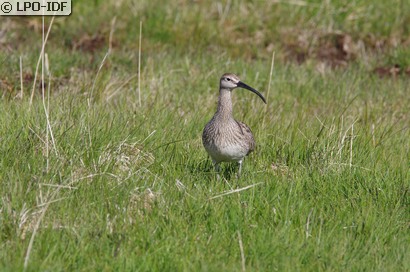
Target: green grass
x,y
115,186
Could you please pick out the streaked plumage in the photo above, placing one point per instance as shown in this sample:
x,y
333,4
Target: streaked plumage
x,y
224,138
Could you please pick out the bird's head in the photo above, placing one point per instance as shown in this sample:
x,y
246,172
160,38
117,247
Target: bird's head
x,y
231,81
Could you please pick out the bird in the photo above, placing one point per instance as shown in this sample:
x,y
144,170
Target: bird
x,y
224,138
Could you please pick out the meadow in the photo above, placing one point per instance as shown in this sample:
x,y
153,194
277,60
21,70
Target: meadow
x,y
102,167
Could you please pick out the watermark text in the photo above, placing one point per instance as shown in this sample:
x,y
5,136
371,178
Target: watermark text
x,y
35,7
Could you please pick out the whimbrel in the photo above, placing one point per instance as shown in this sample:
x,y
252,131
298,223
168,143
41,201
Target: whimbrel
x,y
224,138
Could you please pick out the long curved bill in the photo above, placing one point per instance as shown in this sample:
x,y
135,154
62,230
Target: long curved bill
x,y
243,85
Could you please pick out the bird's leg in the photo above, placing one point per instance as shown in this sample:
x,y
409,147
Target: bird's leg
x,y
240,169
217,169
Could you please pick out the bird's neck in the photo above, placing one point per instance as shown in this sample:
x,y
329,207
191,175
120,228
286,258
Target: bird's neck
x,y
224,109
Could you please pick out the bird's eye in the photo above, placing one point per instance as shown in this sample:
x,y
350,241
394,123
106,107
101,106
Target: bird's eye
x,y
228,79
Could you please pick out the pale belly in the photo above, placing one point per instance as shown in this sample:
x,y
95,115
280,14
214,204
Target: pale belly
x,y
227,153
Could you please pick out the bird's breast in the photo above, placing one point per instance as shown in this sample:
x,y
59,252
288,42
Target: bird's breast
x,y
227,142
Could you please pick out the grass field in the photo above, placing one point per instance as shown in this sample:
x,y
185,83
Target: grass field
x,y
104,169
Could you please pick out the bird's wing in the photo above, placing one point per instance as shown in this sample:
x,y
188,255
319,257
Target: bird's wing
x,y
247,133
